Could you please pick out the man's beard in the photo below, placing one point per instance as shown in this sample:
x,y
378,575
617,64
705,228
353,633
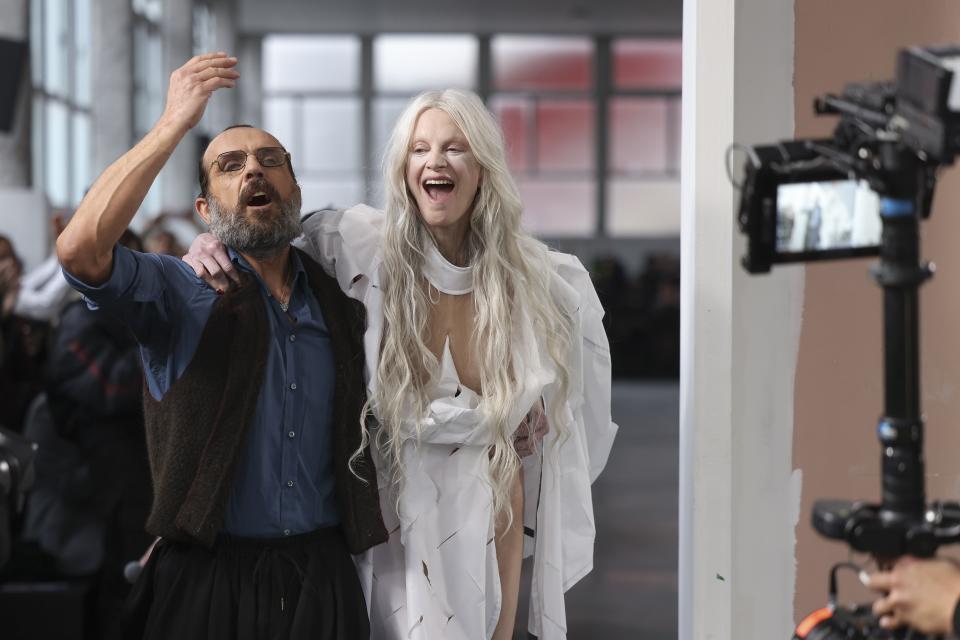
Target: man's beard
x,y
258,240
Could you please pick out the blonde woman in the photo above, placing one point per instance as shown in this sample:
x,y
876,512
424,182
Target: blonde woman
x,y
473,327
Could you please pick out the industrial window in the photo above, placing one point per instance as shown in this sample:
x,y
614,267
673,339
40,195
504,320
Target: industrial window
x,y
60,42
149,87
592,124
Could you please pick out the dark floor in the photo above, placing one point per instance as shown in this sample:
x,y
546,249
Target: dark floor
x,y
632,592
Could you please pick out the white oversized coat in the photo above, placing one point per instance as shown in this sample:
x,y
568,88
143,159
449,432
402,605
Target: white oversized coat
x,y
436,577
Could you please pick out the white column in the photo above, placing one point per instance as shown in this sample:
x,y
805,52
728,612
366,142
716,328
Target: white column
x,y
224,106
15,144
251,84
112,78
739,336
179,176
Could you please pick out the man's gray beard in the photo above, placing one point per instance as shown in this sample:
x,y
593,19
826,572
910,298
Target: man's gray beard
x,y
258,241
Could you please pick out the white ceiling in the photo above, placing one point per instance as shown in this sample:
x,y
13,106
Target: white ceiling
x,y
653,17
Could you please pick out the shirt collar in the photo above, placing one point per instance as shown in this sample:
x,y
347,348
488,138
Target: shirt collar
x,y
299,272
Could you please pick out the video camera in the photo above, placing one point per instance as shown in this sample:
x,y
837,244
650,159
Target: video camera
x,y
861,193
820,199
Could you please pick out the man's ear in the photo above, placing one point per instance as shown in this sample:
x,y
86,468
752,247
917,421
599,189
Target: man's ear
x,y
202,208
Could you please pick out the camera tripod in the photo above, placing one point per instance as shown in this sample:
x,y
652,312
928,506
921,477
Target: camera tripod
x,y
902,524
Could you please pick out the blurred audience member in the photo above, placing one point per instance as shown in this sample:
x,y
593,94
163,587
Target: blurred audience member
x,y
11,269
22,344
163,241
92,495
44,291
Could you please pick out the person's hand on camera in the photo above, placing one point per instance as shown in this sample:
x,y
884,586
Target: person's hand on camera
x,y
210,262
920,594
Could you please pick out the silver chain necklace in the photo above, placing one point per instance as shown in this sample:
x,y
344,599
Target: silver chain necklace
x,y
289,283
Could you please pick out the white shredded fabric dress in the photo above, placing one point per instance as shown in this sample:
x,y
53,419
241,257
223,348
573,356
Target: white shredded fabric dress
x,y
437,577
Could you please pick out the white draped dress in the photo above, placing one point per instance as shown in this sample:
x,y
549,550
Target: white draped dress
x,y
436,577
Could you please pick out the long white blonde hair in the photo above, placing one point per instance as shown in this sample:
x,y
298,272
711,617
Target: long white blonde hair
x,y
511,270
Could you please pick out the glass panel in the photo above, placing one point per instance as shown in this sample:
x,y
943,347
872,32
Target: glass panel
x,y
151,206
386,111
56,49
203,30
674,110
331,134
412,63
37,133
278,118
36,41
638,135
647,64
150,9
643,207
81,157
565,131
311,63
558,207
56,154
515,115
81,37
327,194
542,62
148,78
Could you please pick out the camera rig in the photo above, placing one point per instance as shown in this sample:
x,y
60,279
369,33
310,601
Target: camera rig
x,y
894,136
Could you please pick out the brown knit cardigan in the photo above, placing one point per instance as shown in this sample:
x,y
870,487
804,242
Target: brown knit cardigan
x,y
196,431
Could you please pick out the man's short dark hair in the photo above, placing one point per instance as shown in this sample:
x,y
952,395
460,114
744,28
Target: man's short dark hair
x,y
204,177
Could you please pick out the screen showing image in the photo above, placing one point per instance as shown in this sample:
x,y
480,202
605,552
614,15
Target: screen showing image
x,y
824,216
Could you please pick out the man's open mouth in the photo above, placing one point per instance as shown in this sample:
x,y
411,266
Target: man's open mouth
x,y
438,189
259,199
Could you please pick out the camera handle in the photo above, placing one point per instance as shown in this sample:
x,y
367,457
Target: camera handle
x,y
901,524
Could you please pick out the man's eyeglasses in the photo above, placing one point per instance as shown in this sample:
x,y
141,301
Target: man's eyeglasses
x,y
231,161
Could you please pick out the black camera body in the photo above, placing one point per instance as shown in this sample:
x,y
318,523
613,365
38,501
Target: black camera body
x,y
891,138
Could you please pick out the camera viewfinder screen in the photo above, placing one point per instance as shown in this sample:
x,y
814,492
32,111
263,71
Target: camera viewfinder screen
x,y
826,216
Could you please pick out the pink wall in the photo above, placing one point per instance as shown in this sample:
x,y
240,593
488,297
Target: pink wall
x,y
839,375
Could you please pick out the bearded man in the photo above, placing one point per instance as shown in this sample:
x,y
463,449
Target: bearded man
x,y
252,398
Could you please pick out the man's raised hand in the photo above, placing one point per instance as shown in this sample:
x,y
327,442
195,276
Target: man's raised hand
x,y
192,85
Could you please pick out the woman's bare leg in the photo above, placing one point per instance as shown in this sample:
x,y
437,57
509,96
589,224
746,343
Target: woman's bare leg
x,y
509,558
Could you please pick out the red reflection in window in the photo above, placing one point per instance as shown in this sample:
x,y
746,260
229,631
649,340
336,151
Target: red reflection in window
x,y
532,63
565,134
638,135
558,207
647,64
514,116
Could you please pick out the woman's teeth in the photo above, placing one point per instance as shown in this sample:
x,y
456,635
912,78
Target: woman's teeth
x,y
436,188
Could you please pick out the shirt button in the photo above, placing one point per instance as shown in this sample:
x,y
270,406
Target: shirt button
x,y
293,386
289,483
291,434
293,338
286,532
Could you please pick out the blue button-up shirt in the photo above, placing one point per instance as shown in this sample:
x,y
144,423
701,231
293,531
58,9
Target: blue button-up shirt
x,y
283,483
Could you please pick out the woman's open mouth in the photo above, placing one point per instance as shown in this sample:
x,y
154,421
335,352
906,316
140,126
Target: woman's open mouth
x,y
438,189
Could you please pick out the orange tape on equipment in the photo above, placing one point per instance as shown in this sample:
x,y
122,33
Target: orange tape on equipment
x,y
813,620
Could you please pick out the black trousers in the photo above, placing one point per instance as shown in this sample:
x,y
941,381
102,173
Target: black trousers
x,y
292,588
